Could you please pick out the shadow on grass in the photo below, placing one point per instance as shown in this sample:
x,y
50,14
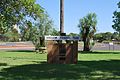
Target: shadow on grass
x,y
3,64
96,52
84,70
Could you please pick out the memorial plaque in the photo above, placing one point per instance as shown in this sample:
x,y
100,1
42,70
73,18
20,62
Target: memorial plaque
x,y
62,38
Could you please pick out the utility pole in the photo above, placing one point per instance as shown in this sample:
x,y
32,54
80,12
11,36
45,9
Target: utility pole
x,y
61,16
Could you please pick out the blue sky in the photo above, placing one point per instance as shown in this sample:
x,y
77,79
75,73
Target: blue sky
x,y
76,9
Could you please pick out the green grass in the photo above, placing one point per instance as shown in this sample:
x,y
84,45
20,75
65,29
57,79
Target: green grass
x,y
31,66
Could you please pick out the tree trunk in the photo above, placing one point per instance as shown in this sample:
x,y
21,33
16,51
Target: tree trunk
x,y
61,16
86,40
86,45
119,34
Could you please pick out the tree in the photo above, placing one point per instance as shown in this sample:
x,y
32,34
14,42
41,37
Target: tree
x,y
115,36
55,32
26,31
45,27
73,34
36,32
3,27
61,16
98,37
116,17
107,36
14,11
87,26
12,35
26,14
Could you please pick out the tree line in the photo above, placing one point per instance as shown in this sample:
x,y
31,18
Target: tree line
x,y
34,23
107,36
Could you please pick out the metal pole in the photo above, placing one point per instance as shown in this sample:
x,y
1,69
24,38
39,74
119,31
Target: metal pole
x,y
109,47
113,47
61,16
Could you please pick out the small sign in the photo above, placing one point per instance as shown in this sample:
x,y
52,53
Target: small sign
x,y
111,43
62,38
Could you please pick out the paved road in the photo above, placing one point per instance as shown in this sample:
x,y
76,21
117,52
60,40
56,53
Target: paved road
x,y
17,46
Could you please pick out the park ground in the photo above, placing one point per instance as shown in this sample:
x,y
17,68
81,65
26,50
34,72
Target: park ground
x,y
22,65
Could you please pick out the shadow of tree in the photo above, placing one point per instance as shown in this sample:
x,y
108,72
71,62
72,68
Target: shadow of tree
x,y
3,64
20,51
84,70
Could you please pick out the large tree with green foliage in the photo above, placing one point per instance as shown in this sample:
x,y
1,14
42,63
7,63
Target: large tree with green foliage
x,y
116,20
14,11
87,26
29,16
36,32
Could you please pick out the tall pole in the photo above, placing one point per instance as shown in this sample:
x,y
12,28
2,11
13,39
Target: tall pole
x,y
61,16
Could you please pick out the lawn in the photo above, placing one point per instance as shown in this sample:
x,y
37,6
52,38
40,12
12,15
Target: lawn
x,y
31,66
